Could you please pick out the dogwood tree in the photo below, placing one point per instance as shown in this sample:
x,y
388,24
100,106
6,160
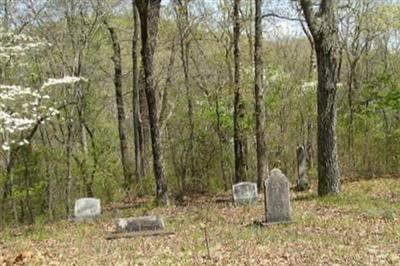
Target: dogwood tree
x,y
24,108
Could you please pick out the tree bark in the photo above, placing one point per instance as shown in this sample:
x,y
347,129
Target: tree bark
x,y
165,110
149,12
125,157
68,148
262,167
144,132
83,163
352,84
221,143
183,27
324,28
240,143
49,179
137,121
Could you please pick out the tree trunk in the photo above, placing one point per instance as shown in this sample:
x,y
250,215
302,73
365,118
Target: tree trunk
x,y
262,167
6,16
10,179
351,89
137,123
163,114
309,137
125,157
144,130
240,144
324,28
27,184
328,165
309,144
68,202
49,179
183,26
312,50
149,12
221,144
83,164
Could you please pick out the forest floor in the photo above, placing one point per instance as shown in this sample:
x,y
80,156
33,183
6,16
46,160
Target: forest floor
x,y
361,227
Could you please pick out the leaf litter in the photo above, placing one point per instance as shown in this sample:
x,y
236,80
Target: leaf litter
x,y
334,231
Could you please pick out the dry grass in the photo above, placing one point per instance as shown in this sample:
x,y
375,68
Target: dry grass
x,y
359,228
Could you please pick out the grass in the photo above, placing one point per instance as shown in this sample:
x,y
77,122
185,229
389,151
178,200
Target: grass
x,y
357,228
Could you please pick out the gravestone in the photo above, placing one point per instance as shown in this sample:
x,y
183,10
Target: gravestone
x,y
277,198
87,208
302,179
134,227
245,192
143,223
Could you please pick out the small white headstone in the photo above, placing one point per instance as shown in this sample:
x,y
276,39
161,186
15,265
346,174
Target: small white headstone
x,y
87,208
245,192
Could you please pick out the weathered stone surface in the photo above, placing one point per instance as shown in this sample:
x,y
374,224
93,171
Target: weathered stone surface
x,y
302,180
136,234
245,192
144,223
277,198
87,208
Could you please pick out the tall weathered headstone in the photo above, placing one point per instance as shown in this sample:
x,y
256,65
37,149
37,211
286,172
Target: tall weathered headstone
x,y
87,208
302,179
245,192
277,198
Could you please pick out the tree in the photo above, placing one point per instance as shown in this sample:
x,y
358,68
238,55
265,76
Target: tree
x,y
262,167
23,109
184,28
358,31
240,143
149,12
324,29
137,119
126,160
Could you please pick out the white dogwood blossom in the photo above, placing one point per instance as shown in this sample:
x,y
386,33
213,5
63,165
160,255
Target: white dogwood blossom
x,y
22,107
13,46
62,81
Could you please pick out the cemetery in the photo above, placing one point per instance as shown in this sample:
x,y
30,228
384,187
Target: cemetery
x,y
263,231
199,132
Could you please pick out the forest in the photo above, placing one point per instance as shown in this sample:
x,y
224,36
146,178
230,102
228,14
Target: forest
x,y
164,107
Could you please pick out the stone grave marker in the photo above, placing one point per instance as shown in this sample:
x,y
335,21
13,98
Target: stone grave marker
x,y
87,208
277,198
143,223
245,192
133,227
302,179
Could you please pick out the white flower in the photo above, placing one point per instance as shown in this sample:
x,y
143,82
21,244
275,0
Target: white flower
x,y
62,81
21,108
5,147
